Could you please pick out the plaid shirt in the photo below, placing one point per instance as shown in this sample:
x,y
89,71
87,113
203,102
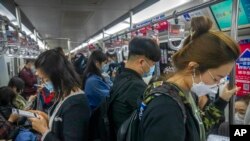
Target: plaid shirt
x,y
5,127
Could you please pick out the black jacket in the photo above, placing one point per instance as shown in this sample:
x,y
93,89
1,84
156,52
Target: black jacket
x,y
163,120
69,119
128,88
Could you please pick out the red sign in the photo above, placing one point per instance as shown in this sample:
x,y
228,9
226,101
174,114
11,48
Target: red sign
x,y
161,26
243,70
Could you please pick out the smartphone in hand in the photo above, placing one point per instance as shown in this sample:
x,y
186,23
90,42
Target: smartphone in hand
x,y
24,113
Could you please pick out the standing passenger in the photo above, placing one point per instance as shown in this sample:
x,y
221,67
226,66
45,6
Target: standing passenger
x,y
94,84
206,58
29,79
128,85
69,116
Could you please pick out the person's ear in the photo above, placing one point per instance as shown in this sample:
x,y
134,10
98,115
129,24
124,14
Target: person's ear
x,y
98,64
192,66
141,60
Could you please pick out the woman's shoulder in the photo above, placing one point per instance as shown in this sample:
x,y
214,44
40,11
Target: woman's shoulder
x,y
75,99
93,77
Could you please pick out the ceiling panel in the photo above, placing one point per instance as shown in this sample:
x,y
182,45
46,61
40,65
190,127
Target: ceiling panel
x,y
74,19
82,2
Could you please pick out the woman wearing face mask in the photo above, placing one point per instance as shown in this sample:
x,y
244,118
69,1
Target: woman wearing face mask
x,y
94,84
68,118
44,99
197,70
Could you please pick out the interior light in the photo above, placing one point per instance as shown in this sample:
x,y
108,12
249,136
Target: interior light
x,y
156,9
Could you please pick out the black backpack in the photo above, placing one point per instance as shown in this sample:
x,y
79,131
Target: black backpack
x,y
100,126
130,128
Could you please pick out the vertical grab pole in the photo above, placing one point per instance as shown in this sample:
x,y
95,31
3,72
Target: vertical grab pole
x,y
103,44
69,48
131,19
18,17
234,35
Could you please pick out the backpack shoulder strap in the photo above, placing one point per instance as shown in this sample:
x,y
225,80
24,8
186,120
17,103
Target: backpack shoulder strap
x,y
164,88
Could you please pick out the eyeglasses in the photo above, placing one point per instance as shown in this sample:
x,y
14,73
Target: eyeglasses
x,y
222,82
212,76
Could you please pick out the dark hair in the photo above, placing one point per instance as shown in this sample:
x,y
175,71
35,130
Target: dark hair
x,y
146,47
91,68
60,50
7,95
60,71
29,61
16,82
210,49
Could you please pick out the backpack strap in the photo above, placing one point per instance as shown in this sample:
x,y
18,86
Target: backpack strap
x,y
163,88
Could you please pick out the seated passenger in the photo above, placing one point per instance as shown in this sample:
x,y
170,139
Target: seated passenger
x,y
7,96
95,85
17,85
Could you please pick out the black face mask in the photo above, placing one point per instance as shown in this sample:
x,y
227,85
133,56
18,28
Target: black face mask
x,y
5,111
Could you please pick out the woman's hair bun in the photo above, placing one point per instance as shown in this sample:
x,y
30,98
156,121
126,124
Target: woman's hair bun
x,y
201,25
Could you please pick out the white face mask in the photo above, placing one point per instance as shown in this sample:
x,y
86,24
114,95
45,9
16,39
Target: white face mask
x,y
239,118
201,88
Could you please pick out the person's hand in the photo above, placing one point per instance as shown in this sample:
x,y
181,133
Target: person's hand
x,y
13,118
44,115
113,74
227,94
32,98
39,124
202,101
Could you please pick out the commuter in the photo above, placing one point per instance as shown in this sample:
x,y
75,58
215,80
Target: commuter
x,y
7,120
29,78
197,70
247,115
128,85
69,116
111,67
94,84
79,62
44,99
17,85
240,105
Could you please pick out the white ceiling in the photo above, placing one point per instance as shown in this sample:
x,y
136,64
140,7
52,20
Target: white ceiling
x,y
74,19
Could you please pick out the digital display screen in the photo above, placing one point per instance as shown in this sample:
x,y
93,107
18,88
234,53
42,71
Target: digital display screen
x,y
223,14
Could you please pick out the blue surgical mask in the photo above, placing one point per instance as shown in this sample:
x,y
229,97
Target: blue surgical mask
x,y
105,68
150,72
49,86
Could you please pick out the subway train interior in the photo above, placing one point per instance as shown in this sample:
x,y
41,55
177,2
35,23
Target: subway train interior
x,y
102,42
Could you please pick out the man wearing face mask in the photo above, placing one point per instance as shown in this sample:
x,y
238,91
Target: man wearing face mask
x,y
29,78
128,85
